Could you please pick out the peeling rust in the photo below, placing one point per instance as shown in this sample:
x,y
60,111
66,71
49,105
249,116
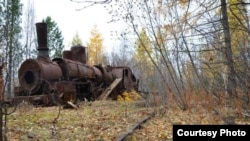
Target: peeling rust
x,y
69,78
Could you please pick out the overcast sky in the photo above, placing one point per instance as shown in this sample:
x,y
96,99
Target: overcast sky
x,y
70,21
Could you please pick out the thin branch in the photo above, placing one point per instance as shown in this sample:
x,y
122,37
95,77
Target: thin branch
x,y
90,3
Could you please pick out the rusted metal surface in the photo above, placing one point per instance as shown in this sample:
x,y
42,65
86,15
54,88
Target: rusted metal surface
x,y
74,69
70,78
129,80
76,53
33,73
107,74
43,50
67,54
37,99
79,54
66,90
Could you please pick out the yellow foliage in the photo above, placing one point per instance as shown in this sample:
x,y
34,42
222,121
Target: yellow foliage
x,y
126,98
183,3
129,96
119,98
95,47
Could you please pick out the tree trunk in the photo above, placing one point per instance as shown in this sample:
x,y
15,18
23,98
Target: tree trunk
x,y
231,85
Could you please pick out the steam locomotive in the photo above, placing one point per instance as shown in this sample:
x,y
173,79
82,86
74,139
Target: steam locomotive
x,y
69,78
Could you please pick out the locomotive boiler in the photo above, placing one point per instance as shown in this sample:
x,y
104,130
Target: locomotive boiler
x,y
69,78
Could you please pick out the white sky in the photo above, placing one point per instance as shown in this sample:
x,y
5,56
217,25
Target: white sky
x,y
70,21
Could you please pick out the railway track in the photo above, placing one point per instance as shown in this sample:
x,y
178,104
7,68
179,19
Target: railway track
x,y
137,125
153,126
104,120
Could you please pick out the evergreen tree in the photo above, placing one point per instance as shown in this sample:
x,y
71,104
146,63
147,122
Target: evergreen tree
x,y
55,38
76,40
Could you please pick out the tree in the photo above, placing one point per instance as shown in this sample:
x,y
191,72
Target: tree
x,y
95,47
143,14
122,55
76,40
206,39
1,23
228,50
29,31
55,38
140,52
144,64
11,29
238,20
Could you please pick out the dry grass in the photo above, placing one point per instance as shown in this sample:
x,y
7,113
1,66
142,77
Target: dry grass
x,y
202,109
92,121
105,120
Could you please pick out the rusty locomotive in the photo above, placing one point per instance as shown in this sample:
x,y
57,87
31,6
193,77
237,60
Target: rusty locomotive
x,y
69,78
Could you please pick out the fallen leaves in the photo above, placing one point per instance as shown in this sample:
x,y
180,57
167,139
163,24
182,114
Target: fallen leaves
x,y
159,128
105,120
102,120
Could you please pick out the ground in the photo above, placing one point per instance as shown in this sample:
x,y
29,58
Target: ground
x,y
107,120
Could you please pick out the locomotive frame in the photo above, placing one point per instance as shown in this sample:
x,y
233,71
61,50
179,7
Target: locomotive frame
x,y
70,78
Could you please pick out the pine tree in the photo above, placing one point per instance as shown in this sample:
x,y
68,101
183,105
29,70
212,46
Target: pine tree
x,y
95,47
76,40
55,38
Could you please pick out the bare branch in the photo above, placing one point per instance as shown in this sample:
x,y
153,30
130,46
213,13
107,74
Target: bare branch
x,y
91,3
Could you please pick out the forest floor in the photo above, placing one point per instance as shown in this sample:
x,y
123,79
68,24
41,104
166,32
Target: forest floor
x,y
107,120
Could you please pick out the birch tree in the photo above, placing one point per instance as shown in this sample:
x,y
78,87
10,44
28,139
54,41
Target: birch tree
x,y
11,29
55,38
197,45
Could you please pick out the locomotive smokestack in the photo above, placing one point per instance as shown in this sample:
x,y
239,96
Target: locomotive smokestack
x,y
43,50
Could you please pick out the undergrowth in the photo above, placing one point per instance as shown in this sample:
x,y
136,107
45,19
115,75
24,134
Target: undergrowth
x,y
105,120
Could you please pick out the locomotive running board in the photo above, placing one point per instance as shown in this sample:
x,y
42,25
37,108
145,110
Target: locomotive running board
x,y
108,91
